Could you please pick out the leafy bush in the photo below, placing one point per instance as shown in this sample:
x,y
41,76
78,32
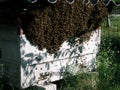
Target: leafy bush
x,y
83,81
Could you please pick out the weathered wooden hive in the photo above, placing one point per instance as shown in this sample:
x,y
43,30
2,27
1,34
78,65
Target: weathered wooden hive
x,y
59,35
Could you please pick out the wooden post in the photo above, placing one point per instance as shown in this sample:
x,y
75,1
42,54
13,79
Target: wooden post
x,y
108,21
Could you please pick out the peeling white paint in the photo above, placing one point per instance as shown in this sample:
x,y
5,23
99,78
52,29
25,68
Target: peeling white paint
x,y
38,66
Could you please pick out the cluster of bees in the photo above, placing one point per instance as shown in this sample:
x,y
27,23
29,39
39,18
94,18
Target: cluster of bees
x,y
48,26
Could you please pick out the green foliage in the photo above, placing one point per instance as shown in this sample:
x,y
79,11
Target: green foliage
x,y
83,81
107,67
109,57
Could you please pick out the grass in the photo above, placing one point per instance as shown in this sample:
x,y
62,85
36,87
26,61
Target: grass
x,y
84,81
109,56
108,65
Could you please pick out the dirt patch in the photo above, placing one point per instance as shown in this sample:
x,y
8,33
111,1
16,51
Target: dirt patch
x,y
48,26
